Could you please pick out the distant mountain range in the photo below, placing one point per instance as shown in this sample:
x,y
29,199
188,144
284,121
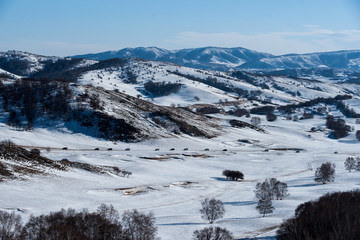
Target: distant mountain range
x,y
225,59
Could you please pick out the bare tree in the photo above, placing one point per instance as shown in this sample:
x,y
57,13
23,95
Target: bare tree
x,y
357,167
273,183
212,209
325,173
350,164
211,233
262,190
281,190
138,226
255,121
109,213
265,206
271,188
10,226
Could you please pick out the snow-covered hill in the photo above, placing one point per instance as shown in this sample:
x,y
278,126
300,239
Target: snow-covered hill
x,y
337,60
25,64
171,184
211,87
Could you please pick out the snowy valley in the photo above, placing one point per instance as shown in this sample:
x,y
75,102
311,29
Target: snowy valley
x,y
156,136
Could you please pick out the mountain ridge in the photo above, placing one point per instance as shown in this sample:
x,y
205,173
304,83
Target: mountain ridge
x,y
225,59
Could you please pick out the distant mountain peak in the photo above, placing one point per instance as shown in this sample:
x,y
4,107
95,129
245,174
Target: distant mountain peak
x,y
225,59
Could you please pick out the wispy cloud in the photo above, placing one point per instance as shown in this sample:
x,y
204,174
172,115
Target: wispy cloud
x,y
311,39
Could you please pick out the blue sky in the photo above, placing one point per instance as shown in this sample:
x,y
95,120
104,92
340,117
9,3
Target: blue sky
x,y
70,27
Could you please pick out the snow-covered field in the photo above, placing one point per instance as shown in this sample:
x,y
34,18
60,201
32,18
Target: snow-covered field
x,y
171,184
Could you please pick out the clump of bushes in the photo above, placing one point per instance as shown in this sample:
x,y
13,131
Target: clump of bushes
x,y
158,89
270,116
233,175
271,189
339,127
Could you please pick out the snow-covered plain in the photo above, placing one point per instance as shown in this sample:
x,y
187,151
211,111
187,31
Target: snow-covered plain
x,y
172,184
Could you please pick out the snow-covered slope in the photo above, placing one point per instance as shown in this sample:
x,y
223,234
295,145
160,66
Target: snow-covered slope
x,y
6,74
337,60
198,86
171,184
23,63
27,64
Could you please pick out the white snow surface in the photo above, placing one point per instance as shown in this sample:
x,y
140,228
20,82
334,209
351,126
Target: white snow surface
x,y
175,205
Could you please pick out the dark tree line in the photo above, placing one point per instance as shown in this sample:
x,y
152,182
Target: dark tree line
x,y
13,65
208,110
331,100
57,70
213,82
26,100
233,175
66,70
131,77
348,112
158,89
262,110
339,127
241,112
249,78
70,224
332,217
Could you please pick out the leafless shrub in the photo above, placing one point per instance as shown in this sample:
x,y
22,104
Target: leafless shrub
x,y
10,226
212,233
138,226
325,173
212,209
